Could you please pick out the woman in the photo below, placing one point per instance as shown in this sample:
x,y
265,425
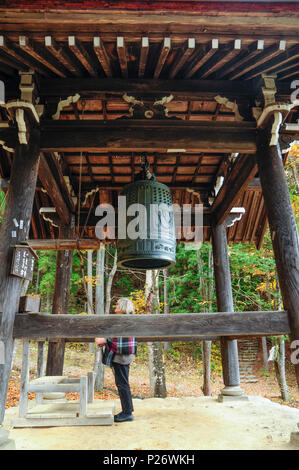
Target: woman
x,y
119,353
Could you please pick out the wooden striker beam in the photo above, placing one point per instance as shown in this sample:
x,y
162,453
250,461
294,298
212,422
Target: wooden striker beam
x,y
230,324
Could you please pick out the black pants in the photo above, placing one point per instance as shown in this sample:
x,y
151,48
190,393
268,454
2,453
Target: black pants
x,y
121,373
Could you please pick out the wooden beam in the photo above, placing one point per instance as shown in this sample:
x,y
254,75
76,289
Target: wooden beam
x,y
33,49
284,58
183,57
102,56
12,63
150,136
79,51
242,58
267,323
145,339
58,52
64,244
53,189
254,68
165,49
207,20
235,183
56,169
216,60
185,90
122,56
143,56
11,50
204,55
288,72
225,54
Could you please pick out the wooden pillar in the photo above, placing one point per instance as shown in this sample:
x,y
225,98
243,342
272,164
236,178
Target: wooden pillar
x,y
229,349
64,261
18,211
282,225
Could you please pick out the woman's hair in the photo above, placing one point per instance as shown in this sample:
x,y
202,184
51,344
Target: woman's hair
x,y
126,305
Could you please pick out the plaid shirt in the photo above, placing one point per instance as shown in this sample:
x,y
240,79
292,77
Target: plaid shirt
x,y
118,346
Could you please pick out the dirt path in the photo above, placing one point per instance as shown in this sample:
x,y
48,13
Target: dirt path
x,y
175,424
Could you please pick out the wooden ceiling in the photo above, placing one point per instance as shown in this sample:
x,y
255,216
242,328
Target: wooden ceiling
x,y
168,46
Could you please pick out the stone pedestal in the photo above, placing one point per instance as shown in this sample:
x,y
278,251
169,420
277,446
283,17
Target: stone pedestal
x,y
232,393
5,443
53,397
295,439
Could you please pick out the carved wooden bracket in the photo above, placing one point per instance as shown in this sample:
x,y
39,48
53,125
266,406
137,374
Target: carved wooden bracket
x,y
63,103
272,108
232,105
143,108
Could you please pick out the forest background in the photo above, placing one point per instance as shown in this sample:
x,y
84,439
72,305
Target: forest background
x,y
187,287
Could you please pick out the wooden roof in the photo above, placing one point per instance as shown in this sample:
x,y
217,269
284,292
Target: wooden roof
x,y
194,53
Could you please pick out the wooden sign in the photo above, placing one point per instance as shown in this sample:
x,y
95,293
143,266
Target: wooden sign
x,y
23,262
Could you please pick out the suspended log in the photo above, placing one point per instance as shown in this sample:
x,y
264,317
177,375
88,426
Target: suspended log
x,y
232,324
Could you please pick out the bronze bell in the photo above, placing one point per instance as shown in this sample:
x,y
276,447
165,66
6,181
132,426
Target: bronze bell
x,y
150,241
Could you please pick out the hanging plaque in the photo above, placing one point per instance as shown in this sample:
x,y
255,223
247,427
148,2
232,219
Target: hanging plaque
x,y
23,262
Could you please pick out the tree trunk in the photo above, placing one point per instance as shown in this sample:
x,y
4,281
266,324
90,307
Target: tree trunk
x,y
56,350
37,281
279,358
167,344
109,284
90,309
265,354
99,309
206,361
279,365
155,349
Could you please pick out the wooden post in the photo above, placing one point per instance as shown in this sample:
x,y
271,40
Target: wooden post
x,y
229,349
282,225
18,210
56,350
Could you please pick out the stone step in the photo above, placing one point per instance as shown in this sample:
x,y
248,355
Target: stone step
x,y
3,436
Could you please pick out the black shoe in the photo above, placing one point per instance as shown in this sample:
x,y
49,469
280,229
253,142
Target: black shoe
x,y
120,417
